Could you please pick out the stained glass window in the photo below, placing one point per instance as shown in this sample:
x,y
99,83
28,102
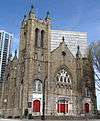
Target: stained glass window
x,y
63,76
37,86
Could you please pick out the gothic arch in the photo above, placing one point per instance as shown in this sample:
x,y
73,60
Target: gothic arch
x,y
36,37
42,37
65,68
39,38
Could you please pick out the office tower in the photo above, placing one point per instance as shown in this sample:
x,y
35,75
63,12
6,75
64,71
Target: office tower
x,y
72,40
5,47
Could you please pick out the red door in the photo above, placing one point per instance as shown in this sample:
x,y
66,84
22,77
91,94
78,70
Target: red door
x,y
86,108
61,108
36,106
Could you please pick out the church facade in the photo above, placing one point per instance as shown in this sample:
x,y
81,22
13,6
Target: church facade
x,y
45,82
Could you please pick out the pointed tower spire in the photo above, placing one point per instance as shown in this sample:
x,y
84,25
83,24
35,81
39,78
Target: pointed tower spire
x,y
32,10
23,20
63,39
32,13
15,56
78,54
47,16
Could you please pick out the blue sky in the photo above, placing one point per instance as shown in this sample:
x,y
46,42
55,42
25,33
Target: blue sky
x,y
75,15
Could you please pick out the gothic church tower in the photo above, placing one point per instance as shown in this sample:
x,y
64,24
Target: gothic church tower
x,y
34,54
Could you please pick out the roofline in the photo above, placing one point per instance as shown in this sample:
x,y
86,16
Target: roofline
x,y
7,32
68,31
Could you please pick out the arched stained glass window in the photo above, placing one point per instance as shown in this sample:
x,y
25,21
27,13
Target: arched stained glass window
x,y
37,86
87,92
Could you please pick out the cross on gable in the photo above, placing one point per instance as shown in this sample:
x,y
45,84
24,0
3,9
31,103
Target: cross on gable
x,y
63,38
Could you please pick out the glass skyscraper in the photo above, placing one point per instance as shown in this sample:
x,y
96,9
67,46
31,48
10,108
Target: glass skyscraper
x,y
72,40
5,47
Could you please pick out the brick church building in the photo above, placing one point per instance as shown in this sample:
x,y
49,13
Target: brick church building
x,y
45,82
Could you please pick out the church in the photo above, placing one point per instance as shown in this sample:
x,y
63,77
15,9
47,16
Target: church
x,y
44,82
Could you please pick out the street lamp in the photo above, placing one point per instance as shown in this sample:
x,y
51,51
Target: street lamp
x,y
5,104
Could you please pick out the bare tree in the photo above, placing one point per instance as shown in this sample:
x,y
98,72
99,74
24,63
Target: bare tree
x,y
95,47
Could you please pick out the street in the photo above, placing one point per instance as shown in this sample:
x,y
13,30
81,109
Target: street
x,y
47,120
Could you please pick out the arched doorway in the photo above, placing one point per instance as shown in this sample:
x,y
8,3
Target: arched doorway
x,y
36,106
62,106
86,107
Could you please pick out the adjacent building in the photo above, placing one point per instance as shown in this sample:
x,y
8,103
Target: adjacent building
x,y
41,82
5,48
72,40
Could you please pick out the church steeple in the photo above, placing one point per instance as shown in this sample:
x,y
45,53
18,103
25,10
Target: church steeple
x,y
47,15
78,54
15,56
31,14
47,18
63,39
23,21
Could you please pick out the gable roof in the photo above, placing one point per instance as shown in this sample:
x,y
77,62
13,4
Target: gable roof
x,y
64,48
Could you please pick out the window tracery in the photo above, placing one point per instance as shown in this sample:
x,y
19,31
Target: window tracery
x,y
63,76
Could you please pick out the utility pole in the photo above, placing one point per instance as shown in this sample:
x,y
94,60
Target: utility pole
x,y
43,109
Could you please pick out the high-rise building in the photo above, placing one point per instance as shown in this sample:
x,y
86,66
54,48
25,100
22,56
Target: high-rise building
x,y
72,40
5,47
